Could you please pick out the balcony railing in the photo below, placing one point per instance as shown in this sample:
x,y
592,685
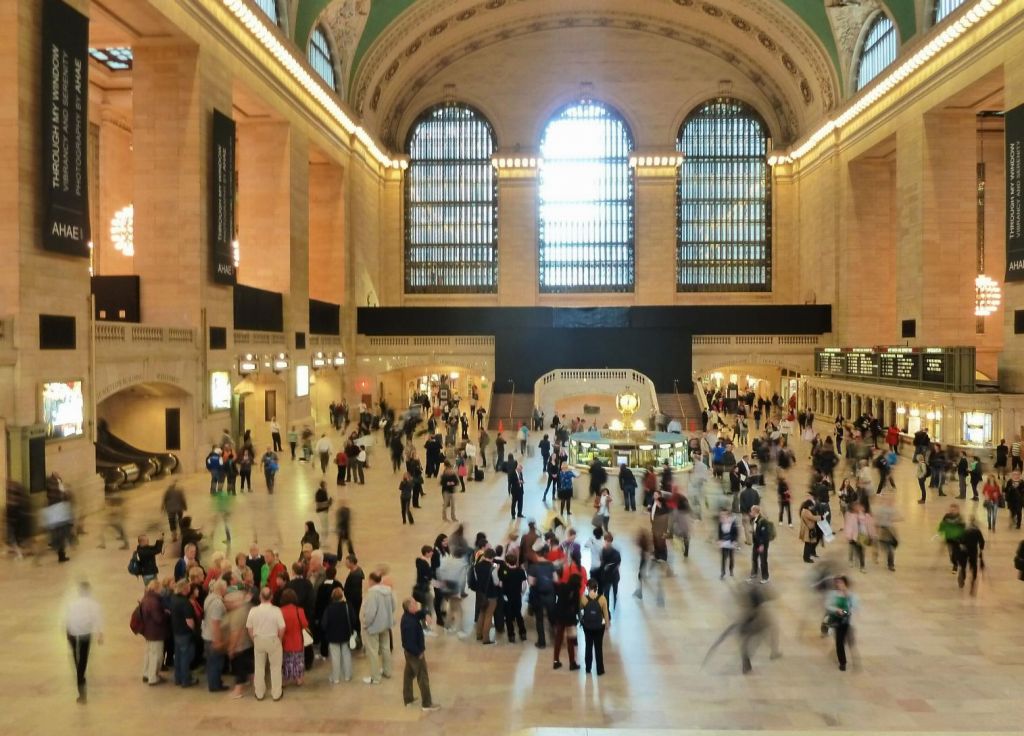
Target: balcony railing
x,y
107,332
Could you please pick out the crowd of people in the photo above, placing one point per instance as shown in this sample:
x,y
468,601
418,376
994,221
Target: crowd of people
x,y
254,616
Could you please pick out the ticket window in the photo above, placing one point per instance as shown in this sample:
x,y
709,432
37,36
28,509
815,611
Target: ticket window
x,y
977,429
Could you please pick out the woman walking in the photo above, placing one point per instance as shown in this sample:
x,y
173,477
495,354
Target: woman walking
x,y
993,498
567,606
728,538
595,621
838,609
405,497
859,528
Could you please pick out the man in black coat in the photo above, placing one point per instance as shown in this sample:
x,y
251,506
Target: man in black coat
x,y
354,588
761,533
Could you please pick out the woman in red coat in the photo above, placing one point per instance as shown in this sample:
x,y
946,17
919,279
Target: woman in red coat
x,y
294,623
892,438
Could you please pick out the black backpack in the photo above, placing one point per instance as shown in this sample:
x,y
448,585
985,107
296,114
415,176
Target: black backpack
x,y
592,617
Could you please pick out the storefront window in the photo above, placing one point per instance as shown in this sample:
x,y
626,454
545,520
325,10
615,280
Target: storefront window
x,y
977,429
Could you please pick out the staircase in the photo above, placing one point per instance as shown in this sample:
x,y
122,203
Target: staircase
x,y
518,406
682,407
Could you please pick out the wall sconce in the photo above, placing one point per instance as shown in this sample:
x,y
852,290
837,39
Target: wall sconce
x,y
318,361
338,360
930,416
248,363
901,410
280,362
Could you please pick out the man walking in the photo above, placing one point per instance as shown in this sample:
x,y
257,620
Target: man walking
x,y
265,624
415,647
761,533
83,621
377,617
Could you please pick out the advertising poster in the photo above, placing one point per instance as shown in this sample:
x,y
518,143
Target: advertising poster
x,y
1014,202
220,390
65,140
222,200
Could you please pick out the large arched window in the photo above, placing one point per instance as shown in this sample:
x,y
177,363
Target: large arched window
x,y
944,8
878,50
451,232
320,58
724,226
586,202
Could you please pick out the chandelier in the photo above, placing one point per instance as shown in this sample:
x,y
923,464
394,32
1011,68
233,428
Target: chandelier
x,y
987,296
122,230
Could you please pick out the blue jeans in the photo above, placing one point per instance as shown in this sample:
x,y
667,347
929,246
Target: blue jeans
x,y
214,666
183,659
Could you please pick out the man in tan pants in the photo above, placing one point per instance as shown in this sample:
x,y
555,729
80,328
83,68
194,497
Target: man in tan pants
x,y
266,629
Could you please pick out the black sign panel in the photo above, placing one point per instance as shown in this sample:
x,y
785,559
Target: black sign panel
x,y
951,369
1014,194
222,200
65,112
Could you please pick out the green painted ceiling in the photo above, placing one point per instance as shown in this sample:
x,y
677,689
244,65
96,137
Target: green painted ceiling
x,y
382,12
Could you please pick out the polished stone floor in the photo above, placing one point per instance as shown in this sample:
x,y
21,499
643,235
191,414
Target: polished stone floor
x,y
932,658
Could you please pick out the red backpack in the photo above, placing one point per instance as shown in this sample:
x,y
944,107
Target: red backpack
x,y
135,622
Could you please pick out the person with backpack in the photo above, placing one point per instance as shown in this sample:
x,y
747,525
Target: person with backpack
x,y
215,466
595,621
270,466
566,476
762,533
143,560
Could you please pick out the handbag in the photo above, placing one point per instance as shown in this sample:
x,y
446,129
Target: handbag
x,y
597,521
307,638
353,640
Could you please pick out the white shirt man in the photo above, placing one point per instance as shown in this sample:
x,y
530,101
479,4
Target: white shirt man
x,y
265,625
83,619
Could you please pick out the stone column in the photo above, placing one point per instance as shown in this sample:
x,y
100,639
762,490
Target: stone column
x,y
655,218
518,277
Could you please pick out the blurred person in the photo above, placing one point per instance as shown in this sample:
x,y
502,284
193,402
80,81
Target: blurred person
x,y
265,626
886,517
859,528
970,553
83,622
270,467
343,519
114,520
839,607
323,501
753,623
1013,494
414,647
951,529
239,646
728,539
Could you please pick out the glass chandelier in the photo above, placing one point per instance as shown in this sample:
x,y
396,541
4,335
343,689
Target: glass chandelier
x,y
122,230
987,294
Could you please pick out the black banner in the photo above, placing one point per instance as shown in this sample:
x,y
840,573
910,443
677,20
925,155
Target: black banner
x,y
222,199
65,129
1014,199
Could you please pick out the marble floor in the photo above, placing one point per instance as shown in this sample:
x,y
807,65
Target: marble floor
x,y
932,658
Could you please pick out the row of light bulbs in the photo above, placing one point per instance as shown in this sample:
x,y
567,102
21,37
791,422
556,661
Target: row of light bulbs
x,y
534,162
259,29
890,80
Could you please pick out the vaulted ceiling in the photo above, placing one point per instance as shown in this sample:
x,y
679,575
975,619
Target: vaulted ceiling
x,y
797,53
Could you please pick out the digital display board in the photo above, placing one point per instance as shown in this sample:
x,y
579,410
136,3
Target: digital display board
x,y
950,369
220,390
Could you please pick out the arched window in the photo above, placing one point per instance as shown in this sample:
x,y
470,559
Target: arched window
x,y
319,53
724,226
269,7
878,50
586,202
944,8
451,231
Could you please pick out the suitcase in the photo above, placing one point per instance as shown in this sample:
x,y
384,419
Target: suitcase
x,y
478,474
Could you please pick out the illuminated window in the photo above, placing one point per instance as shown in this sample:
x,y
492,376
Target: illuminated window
x,y
945,7
724,195
586,202
270,8
319,53
117,59
451,229
878,50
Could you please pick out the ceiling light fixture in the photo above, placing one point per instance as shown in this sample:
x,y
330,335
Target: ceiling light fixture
x,y
122,230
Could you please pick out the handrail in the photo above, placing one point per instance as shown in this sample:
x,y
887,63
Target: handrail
x,y
701,394
679,399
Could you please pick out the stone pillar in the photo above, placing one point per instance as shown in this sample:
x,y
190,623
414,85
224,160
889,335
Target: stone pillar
x,y
296,296
114,191
518,277
264,204
655,217
176,87
327,250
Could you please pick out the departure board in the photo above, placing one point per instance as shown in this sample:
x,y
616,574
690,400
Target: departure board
x,y
950,369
